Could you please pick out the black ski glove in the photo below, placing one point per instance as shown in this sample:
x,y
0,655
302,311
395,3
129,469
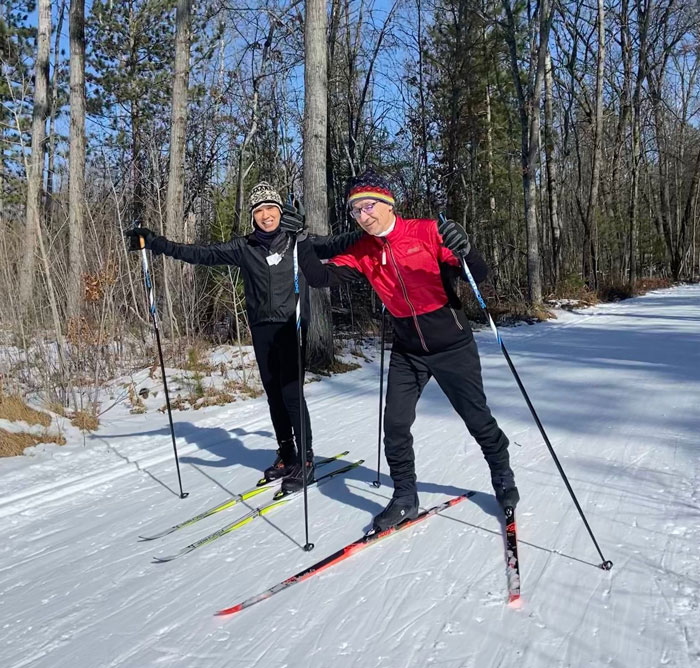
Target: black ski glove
x,y
454,237
293,219
133,236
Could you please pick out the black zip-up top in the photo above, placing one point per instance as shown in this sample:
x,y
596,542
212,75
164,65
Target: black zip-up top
x,y
268,273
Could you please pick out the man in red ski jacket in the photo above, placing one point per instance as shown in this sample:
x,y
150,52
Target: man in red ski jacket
x,y
410,263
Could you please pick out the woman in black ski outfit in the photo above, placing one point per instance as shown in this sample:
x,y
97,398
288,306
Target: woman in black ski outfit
x,y
265,258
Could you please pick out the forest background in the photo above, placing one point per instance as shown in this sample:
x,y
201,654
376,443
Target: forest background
x,y
563,136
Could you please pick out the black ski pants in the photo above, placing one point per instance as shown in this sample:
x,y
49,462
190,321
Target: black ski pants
x,y
458,373
275,345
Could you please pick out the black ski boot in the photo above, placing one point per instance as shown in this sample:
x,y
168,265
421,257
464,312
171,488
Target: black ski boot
x,y
504,485
284,462
295,480
399,510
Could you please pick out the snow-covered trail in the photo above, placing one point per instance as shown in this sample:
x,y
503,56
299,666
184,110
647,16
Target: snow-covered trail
x,y
618,390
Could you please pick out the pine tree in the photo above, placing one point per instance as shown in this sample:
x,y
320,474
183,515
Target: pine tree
x,y
129,77
17,39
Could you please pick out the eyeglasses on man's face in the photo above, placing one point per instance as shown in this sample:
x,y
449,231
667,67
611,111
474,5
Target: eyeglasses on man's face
x,y
366,208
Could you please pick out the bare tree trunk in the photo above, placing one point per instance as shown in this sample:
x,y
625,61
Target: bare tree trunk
x,y
686,220
529,105
60,342
320,340
177,273
494,242
3,171
634,195
665,213
591,240
423,111
174,206
625,96
35,171
76,195
552,175
643,11
52,117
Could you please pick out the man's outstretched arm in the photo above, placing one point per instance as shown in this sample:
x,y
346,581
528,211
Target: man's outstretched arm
x,y
319,275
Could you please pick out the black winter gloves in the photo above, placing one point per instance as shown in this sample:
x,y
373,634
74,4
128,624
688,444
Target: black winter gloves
x,y
133,236
454,237
293,218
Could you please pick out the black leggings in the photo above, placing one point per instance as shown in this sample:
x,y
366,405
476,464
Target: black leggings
x,y
458,372
275,345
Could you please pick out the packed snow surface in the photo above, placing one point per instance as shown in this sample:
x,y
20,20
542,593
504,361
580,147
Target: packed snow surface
x,y
617,388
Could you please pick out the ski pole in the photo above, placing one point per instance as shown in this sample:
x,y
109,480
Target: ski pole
x,y
376,482
148,283
606,565
302,413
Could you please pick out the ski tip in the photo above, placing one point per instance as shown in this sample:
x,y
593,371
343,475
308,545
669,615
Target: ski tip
x,y
515,602
229,611
162,560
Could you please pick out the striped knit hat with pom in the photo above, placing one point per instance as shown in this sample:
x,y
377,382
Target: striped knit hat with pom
x,y
369,185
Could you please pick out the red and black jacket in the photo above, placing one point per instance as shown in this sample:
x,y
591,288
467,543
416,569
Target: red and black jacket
x,y
411,271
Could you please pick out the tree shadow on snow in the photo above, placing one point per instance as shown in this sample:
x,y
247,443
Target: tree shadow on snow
x,y
227,445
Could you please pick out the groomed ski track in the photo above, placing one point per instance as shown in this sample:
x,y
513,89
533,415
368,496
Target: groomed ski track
x,y
618,389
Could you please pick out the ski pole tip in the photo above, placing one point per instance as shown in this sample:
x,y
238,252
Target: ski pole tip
x,y
184,495
308,547
376,483
606,565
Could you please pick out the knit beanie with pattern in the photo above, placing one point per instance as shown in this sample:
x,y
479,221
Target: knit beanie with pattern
x,y
369,185
264,194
